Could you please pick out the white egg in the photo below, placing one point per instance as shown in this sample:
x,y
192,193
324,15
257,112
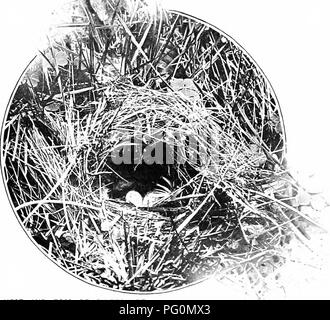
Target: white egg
x,y
135,198
153,198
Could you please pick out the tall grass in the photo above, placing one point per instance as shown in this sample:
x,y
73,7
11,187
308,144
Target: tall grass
x,y
116,73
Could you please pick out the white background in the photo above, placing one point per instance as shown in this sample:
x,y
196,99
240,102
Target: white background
x,y
290,42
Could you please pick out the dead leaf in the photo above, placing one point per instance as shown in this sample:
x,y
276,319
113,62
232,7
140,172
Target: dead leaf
x,y
187,87
61,58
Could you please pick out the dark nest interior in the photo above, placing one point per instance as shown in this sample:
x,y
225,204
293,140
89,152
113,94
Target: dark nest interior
x,y
144,150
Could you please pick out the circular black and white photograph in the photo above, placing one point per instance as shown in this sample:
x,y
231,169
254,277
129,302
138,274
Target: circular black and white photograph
x,y
144,150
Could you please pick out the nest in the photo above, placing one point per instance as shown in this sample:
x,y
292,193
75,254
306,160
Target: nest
x,y
208,141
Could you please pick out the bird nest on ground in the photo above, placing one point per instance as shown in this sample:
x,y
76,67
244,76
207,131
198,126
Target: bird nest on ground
x,y
150,168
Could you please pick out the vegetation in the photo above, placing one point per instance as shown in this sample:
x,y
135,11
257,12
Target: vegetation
x,y
118,76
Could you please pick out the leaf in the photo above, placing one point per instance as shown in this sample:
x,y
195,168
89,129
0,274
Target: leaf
x,y
61,58
303,198
34,78
278,128
185,86
53,107
106,226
